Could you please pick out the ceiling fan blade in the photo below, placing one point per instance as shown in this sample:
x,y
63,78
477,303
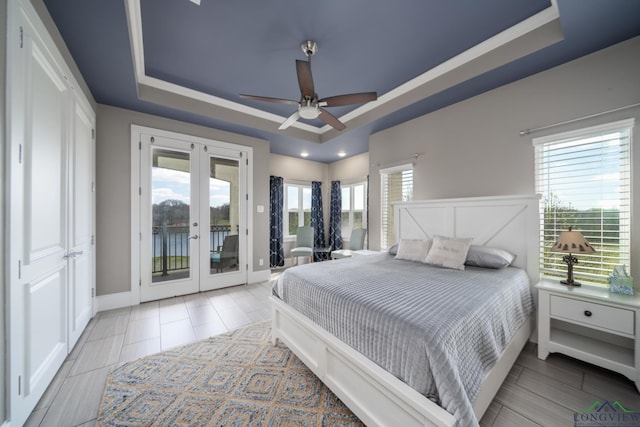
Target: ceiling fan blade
x,y
305,79
352,98
292,118
330,119
269,99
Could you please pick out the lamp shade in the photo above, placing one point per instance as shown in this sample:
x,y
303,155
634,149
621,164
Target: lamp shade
x,y
572,242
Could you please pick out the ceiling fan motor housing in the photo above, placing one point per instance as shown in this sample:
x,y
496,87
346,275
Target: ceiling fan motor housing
x,y
309,112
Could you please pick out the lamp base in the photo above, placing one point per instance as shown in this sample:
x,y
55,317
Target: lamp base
x,y
570,283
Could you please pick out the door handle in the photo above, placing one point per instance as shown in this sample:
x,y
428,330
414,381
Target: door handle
x,y
72,254
194,237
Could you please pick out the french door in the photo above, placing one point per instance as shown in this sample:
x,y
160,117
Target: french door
x,y
193,205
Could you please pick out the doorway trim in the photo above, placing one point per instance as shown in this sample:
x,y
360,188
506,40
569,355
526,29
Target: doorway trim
x,y
133,297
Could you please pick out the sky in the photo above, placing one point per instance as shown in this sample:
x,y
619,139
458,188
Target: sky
x,y
169,184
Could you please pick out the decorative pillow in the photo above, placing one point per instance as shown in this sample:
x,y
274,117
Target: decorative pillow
x,y
393,250
448,252
483,256
413,249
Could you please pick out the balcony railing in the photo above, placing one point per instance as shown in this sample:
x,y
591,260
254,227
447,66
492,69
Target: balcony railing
x,y
170,246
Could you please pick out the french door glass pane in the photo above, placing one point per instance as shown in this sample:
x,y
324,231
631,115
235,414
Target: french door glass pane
x,y
224,182
170,192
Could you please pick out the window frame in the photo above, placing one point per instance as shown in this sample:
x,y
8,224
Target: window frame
x,y
346,229
386,206
551,264
285,211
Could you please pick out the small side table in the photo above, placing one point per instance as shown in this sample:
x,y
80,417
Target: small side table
x,y
321,254
591,324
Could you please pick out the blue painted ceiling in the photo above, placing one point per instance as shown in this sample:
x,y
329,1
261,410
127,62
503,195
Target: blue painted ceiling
x,y
224,48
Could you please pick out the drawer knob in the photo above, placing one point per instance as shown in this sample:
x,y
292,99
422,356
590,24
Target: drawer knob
x,y
587,313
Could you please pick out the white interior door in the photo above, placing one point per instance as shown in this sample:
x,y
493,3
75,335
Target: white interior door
x,y
38,218
193,202
81,222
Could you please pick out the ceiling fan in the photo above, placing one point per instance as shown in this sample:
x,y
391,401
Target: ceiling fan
x,y
309,106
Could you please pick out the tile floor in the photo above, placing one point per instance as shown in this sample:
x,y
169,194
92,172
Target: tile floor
x,y
536,392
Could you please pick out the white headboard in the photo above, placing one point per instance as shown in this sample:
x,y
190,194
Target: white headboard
x,y
507,222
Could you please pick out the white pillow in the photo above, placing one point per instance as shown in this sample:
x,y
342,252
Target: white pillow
x,y
448,252
413,249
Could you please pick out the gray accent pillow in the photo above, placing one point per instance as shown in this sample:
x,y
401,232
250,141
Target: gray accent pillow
x,y
393,250
484,256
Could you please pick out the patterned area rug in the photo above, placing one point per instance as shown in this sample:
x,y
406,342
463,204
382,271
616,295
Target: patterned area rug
x,y
234,379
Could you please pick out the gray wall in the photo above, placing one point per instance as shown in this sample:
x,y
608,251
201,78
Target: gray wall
x,y
113,183
473,148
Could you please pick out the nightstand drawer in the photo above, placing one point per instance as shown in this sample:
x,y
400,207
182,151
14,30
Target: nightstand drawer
x,y
588,313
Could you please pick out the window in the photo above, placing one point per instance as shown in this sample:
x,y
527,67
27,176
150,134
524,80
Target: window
x,y
585,181
354,207
397,186
298,208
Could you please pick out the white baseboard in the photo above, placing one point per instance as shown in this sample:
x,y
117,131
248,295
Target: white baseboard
x,y
113,301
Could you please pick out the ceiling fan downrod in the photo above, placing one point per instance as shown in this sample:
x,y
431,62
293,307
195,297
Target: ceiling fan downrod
x,y
309,48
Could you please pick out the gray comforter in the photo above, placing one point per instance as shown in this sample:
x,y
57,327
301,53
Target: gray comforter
x,y
438,330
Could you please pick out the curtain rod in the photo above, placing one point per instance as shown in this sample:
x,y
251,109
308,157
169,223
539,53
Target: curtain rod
x,y
393,162
528,131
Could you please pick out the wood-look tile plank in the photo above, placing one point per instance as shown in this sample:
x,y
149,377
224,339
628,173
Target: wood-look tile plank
x,y
508,418
553,367
490,415
53,389
78,400
514,373
555,391
98,354
109,326
208,330
139,349
234,318
611,386
176,333
142,330
173,313
203,314
146,310
533,406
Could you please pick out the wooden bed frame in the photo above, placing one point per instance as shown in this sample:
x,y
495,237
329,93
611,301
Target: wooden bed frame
x,y
377,397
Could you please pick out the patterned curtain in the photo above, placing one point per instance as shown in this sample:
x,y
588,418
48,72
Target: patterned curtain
x,y
276,245
335,217
317,220
367,207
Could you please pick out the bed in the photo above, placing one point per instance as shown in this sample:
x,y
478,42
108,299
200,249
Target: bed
x,y
379,386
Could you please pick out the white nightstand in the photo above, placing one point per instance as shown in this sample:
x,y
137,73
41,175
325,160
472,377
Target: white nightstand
x,y
590,324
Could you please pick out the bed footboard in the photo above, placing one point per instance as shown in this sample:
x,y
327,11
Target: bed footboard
x,y
374,395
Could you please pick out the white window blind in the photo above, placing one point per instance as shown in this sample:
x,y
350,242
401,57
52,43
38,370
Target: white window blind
x,y
397,186
584,178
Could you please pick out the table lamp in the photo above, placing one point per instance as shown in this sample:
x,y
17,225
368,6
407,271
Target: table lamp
x,y
571,242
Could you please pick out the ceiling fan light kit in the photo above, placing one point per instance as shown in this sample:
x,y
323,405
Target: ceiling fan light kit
x,y
309,106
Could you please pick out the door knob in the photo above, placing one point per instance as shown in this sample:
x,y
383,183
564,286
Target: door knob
x,y
194,237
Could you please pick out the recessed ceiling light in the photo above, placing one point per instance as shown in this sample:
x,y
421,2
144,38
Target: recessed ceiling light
x,y
304,154
341,153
